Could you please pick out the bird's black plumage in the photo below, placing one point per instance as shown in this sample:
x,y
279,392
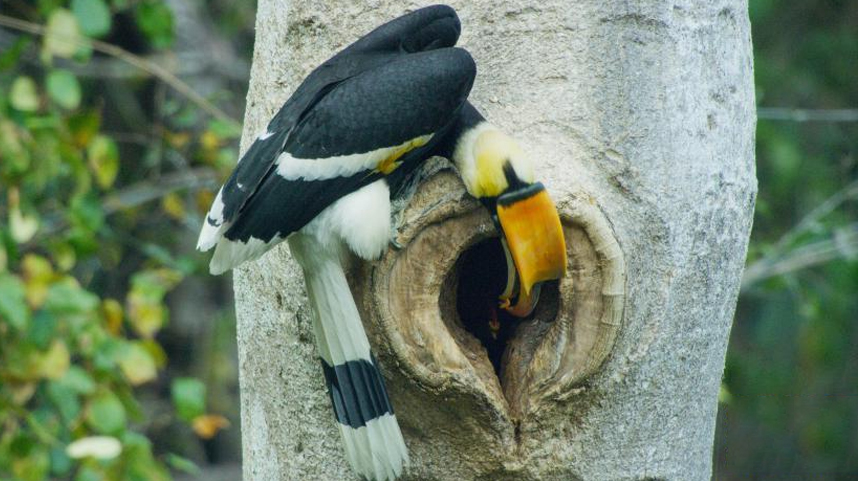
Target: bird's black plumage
x,y
426,29
413,96
357,392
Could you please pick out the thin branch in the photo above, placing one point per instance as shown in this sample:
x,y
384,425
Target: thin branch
x,y
180,63
807,115
140,193
812,217
147,190
139,62
131,138
844,244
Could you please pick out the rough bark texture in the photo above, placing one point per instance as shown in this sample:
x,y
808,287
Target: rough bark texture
x,y
645,109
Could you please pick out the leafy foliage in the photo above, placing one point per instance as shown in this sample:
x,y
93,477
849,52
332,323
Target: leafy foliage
x,y
85,270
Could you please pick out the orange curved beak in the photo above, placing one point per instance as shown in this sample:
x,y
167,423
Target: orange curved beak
x,y
533,240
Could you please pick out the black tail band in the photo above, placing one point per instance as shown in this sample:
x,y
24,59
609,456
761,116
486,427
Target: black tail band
x,y
357,392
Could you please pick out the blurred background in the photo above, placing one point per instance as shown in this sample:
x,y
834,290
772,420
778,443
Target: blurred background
x,y
118,119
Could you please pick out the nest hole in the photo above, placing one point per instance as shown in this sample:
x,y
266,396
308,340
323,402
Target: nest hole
x,y
432,301
481,273
473,285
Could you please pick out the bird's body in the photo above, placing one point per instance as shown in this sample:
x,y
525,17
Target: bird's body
x,y
352,136
319,176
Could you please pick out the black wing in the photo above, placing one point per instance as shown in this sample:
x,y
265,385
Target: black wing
x,y
422,30
362,129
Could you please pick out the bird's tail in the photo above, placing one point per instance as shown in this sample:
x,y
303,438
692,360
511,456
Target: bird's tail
x,y
370,432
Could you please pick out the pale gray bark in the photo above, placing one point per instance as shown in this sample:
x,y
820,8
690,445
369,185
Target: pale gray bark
x,y
646,110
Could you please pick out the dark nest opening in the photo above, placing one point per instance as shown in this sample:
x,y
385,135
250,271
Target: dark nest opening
x,y
478,277
481,271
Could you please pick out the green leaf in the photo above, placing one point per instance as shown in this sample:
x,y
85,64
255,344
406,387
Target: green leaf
x,y
90,473
187,117
156,21
93,16
225,129
189,397
182,464
22,445
106,353
137,364
105,413
64,89
141,464
65,399
103,158
54,363
23,95
13,307
86,212
62,36
22,227
34,466
9,58
146,311
63,255
61,464
78,381
67,297
42,329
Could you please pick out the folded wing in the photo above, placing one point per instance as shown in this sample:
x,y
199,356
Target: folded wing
x,y
363,129
422,30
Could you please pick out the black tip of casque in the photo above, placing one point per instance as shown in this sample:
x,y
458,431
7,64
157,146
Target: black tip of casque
x,y
518,192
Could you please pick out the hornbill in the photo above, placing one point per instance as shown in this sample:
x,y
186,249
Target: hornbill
x,y
318,176
321,174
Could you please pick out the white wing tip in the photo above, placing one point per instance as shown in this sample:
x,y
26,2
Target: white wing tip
x,y
209,236
229,253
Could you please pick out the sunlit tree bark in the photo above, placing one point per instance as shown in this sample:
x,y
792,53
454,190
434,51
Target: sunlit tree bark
x,y
645,111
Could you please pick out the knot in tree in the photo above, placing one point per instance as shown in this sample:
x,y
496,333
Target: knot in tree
x,y
433,305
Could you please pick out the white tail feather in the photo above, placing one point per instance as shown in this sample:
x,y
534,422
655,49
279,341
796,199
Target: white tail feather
x,y
376,450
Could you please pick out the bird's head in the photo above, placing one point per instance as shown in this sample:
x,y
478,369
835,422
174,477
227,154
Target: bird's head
x,y
498,172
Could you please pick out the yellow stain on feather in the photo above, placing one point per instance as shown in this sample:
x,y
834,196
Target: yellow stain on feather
x,y
391,162
492,150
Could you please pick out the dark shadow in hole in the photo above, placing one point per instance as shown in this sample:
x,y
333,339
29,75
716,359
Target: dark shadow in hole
x,y
481,272
469,304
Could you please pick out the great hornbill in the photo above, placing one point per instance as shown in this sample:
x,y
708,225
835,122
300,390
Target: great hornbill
x,y
321,174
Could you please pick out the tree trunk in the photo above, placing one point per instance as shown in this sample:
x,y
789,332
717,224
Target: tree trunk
x,y
641,118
